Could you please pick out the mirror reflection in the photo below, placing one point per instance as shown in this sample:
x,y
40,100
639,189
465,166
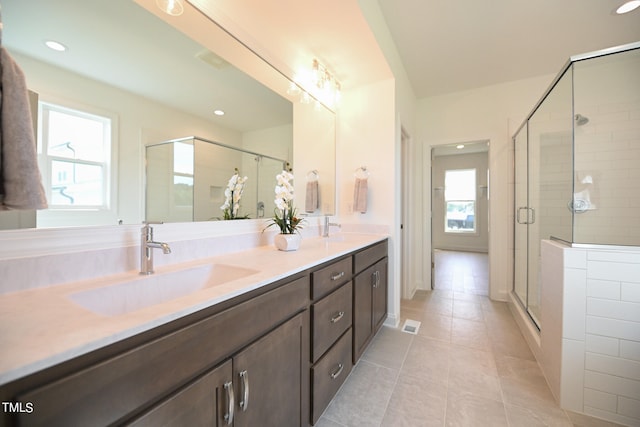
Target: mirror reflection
x,y
151,83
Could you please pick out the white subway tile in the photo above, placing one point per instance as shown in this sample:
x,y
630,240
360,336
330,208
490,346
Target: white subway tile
x,y
613,328
630,350
574,304
612,384
630,256
619,271
575,258
572,375
603,345
629,407
603,289
601,400
630,291
613,365
614,309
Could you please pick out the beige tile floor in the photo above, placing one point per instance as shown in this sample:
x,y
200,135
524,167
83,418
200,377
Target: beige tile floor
x,y
467,366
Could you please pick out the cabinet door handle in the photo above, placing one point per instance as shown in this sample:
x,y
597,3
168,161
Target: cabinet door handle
x,y
337,276
337,372
337,317
244,403
228,417
375,278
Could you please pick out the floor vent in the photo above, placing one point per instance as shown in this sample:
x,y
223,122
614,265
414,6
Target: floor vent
x,y
411,326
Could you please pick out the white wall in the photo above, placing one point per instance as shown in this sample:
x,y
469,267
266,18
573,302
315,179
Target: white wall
x,y
365,137
490,113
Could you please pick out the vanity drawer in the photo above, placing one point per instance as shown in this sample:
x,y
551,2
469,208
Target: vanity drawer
x,y
330,317
105,393
330,277
329,373
369,256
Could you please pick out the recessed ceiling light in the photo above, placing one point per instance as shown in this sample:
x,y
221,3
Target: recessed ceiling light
x,y
54,45
460,146
218,112
628,7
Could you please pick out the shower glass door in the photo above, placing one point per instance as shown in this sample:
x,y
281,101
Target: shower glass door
x,y
543,189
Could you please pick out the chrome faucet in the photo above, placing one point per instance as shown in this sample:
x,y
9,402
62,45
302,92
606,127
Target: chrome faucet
x,y
146,248
328,225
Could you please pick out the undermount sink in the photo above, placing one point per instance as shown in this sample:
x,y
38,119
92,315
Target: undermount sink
x,y
144,291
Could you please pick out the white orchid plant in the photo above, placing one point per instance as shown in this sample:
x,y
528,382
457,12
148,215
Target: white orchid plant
x,y
233,194
285,213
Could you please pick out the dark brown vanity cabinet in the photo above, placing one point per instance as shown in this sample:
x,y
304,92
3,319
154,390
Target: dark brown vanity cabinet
x,y
265,338
258,386
331,319
369,295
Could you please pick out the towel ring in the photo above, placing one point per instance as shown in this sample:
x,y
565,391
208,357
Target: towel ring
x,y
362,172
313,175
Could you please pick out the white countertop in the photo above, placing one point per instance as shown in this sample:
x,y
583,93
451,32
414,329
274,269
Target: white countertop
x,y
40,328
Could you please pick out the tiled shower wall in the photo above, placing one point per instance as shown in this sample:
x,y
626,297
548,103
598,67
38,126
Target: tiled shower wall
x,y
599,364
607,148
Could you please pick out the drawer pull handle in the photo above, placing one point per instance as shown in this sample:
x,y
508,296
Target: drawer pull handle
x,y
337,276
337,317
244,403
337,372
228,417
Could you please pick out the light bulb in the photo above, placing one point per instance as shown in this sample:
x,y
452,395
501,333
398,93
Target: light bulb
x,y
171,7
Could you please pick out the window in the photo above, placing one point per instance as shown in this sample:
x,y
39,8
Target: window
x,y
460,201
75,156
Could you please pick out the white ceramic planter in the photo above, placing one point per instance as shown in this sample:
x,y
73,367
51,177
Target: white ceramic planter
x,y
287,242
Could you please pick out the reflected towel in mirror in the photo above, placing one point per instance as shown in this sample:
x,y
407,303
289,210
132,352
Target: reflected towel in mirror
x,y
20,182
312,200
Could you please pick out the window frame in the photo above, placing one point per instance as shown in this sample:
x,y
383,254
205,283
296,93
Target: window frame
x,y
461,231
77,215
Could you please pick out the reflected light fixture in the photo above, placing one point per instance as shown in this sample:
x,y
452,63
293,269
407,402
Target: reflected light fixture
x,y
54,45
460,146
218,112
628,7
171,7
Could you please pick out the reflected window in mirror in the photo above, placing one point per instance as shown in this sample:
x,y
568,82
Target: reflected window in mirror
x,y
75,160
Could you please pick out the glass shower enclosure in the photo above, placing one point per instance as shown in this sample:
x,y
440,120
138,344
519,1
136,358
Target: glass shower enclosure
x,y
577,164
186,179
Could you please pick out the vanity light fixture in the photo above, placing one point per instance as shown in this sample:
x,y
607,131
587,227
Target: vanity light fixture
x,y
628,7
218,112
171,7
54,45
319,83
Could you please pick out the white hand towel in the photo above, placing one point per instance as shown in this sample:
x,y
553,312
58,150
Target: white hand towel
x,y
20,182
312,201
360,195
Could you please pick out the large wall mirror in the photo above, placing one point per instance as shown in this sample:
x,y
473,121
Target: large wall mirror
x,y
154,78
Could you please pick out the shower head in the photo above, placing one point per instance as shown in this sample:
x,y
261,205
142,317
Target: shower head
x,y
581,120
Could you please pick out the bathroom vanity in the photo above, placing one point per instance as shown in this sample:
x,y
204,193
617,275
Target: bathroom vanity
x,y
268,349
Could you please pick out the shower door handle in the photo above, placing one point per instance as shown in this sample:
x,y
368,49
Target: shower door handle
x,y
520,209
531,215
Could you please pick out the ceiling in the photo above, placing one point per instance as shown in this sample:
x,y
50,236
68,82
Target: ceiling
x,y
449,46
444,46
